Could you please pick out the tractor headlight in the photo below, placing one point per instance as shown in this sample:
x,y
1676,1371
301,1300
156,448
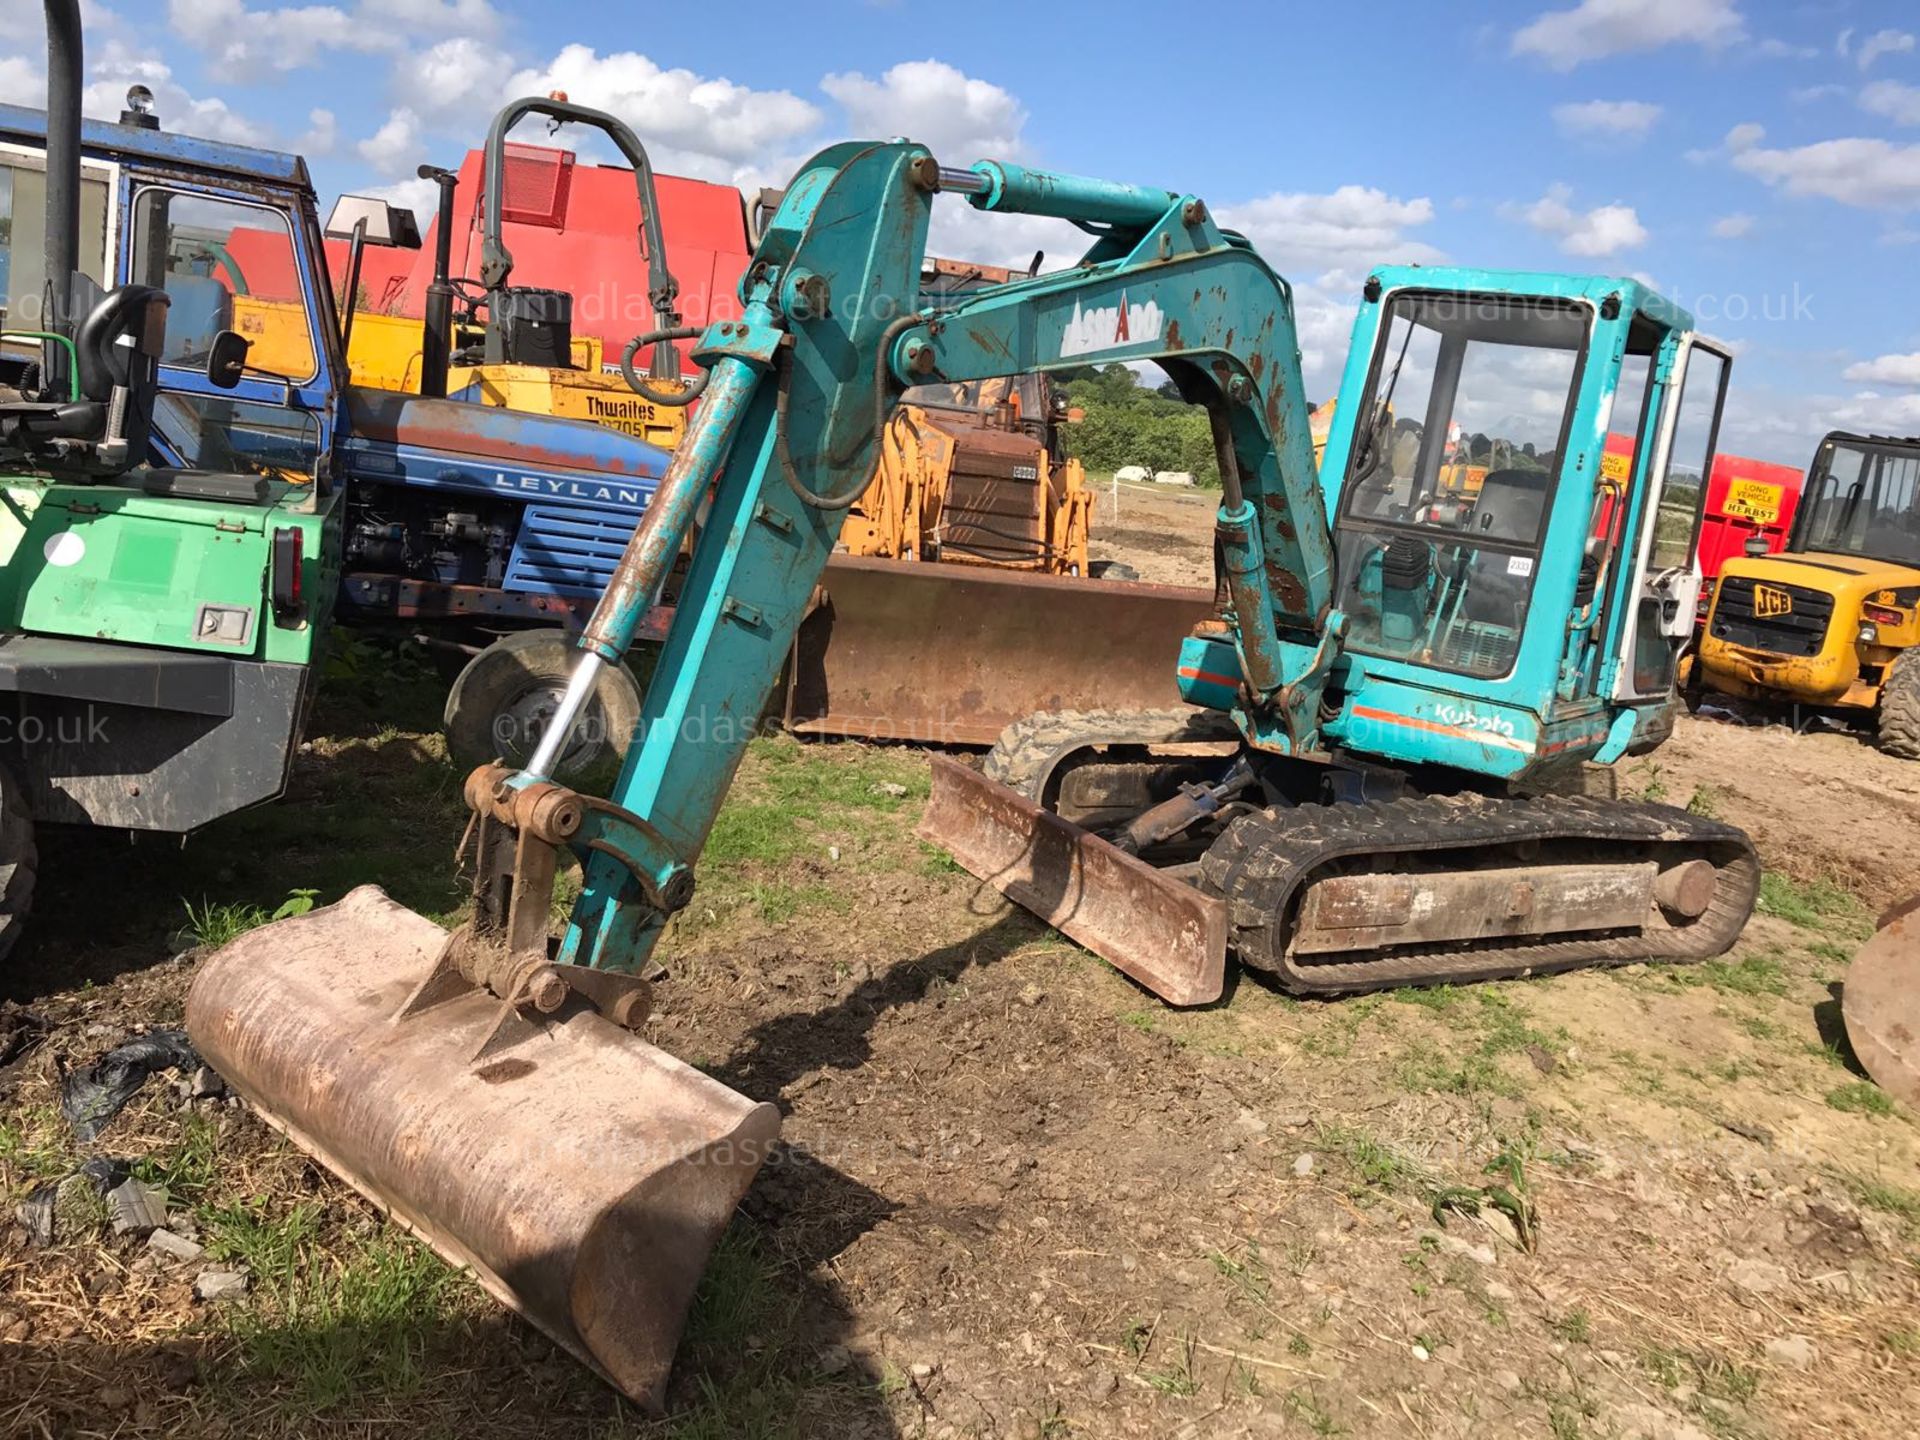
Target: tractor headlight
x,y
1869,633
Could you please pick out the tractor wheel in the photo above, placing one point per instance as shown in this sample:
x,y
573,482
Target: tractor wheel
x,y
499,706
19,862
1900,706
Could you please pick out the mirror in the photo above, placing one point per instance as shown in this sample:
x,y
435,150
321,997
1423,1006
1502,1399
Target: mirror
x,y
227,358
384,224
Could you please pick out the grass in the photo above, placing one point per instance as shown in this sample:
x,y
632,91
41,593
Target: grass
x,y
1176,1378
1497,1026
1860,1097
1306,1407
1764,973
1813,905
333,1318
1377,1166
1895,1200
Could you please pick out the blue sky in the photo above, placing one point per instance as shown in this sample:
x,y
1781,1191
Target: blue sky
x,y
1759,160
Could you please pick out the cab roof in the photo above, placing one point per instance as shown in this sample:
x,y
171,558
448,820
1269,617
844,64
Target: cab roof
x,y
1634,295
101,140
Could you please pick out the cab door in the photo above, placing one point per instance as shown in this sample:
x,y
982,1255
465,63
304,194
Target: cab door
x,y
1666,578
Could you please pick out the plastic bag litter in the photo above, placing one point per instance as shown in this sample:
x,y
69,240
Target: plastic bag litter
x,y
39,1212
94,1094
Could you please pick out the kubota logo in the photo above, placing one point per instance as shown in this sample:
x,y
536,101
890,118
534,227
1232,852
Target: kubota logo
x,y
1464,719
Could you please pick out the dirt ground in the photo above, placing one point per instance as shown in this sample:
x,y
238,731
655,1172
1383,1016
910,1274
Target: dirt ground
x,y
1018,1196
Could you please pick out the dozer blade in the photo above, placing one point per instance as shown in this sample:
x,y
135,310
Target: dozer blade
x,y
952,654
582,1174
1161,931
1881,1003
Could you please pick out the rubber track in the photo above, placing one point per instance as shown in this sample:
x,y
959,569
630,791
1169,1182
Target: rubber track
x,y
1028,751
1262,862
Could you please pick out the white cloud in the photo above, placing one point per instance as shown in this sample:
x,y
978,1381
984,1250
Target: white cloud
x,y
1883,42
1872,413
394,144
1595,29
1871,174
115,67
323,133
228,33
1610,119
1601,231
1732,227
441,17
1892,100
1887,370
1808,94
960,117
1353,227
1745,136
692,124
460,79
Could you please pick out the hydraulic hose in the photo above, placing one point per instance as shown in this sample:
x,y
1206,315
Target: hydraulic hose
x,y
639,386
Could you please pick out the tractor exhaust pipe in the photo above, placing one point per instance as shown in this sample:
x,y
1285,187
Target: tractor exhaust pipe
x,y
66,64
437,340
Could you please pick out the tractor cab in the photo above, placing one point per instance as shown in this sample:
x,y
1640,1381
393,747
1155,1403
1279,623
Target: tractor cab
x,y
1493,554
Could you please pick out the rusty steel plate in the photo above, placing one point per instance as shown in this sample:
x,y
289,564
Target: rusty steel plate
x,y
1161,931
582,1175
1881,1003
951,654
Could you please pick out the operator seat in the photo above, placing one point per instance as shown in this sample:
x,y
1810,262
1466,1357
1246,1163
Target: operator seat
x,y
1494,595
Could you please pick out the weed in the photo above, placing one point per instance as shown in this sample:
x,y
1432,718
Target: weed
x,y
1307,1408
1705,800
1177,1378
1860,1097
212,926
1378,1166
1813,905
1904,1343
1651,784
1760,974
1301,1346
1889,1199
1575,1327
1248,1275
1141,1020
187,1168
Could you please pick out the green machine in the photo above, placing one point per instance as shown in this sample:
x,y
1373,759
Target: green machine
x,y
157,625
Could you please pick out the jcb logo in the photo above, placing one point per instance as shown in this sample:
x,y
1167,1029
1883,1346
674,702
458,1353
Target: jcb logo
x,y
1768,602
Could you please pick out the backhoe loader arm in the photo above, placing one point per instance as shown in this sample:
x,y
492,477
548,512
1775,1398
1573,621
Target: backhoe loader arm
x,y
800,388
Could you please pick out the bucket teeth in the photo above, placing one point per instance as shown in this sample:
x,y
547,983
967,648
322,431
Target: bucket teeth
x,y
582,1174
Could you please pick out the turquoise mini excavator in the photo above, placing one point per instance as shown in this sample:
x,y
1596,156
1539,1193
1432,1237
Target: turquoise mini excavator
x,y
1382,777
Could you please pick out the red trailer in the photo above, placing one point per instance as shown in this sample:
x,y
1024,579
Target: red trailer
x,y
1745,498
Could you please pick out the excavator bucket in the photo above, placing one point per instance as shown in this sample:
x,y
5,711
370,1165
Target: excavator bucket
x,y
1881,1003
952,654
581,1174
1160,930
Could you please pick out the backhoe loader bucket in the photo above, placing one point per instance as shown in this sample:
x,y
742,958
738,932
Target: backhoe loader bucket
x,y
1158,929
1881,1003
581,1174
951,654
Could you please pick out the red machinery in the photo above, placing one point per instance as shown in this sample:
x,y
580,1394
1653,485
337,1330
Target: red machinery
x,y
571,227
1745,498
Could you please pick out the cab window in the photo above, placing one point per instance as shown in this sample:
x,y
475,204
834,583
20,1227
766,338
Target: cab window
x,y
23,238
226,266
1450,483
